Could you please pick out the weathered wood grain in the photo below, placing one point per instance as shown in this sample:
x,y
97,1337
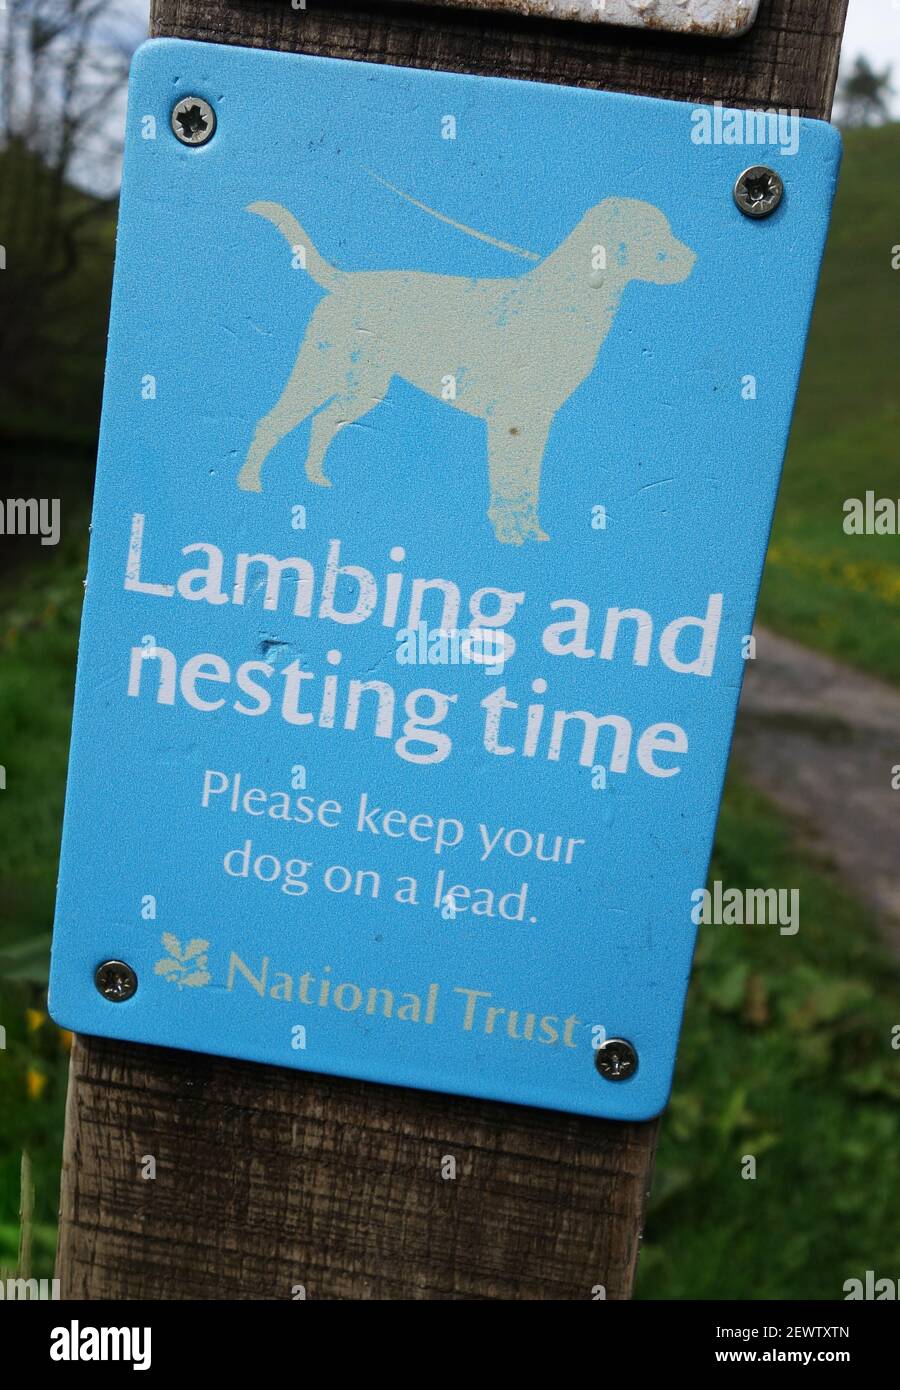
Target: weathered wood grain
x,y
789,59
267,1179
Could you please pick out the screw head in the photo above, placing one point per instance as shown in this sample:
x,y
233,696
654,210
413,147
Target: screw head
x,y
115,980
616,1059
193,121
758,191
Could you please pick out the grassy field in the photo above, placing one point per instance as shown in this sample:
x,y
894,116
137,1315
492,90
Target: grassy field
x,y
786,1054
837,592
38,628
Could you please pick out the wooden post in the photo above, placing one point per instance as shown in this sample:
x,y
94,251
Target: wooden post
x,y
269,1182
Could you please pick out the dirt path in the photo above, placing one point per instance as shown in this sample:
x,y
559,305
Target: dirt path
x,y
821,740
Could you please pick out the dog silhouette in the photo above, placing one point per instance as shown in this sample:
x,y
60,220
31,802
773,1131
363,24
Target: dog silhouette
x,y
508,351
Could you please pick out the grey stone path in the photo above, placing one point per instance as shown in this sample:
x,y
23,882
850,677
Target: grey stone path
x,y
821,740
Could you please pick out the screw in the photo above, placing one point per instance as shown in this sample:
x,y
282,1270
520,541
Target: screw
x,y
616,1059
115,980
758,191
194,121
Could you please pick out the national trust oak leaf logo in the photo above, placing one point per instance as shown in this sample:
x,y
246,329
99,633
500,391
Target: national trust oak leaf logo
x,y
184,966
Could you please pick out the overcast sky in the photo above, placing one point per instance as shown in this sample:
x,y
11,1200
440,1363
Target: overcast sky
x,y
873,28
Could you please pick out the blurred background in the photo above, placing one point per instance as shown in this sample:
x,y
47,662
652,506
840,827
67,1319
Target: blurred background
x,y
788,1049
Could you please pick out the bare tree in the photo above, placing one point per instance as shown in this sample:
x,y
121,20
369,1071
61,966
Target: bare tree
x,y
63,71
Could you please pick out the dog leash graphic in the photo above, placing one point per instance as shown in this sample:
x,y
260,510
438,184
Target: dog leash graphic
x,y
459,226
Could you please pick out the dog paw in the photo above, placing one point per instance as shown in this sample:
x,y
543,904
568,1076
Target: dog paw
x,y
249,482
319,479
531,528
513,527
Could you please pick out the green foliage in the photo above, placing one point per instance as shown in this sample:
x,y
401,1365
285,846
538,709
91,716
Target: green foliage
x,y
38,636
38,633
833,591
786,1056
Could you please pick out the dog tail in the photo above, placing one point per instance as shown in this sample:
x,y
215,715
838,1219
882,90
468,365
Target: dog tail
x,y
324,274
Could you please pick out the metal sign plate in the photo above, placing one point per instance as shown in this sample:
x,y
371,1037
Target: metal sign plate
x,y
722,19
443,423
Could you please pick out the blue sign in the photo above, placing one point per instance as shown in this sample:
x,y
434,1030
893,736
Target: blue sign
x,y
443,423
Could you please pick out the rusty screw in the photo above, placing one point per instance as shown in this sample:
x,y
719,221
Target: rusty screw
x,y
758,191
116,981
616,1059
194,121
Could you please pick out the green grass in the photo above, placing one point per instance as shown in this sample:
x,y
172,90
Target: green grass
x,y
786,1055
837,592
38,633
